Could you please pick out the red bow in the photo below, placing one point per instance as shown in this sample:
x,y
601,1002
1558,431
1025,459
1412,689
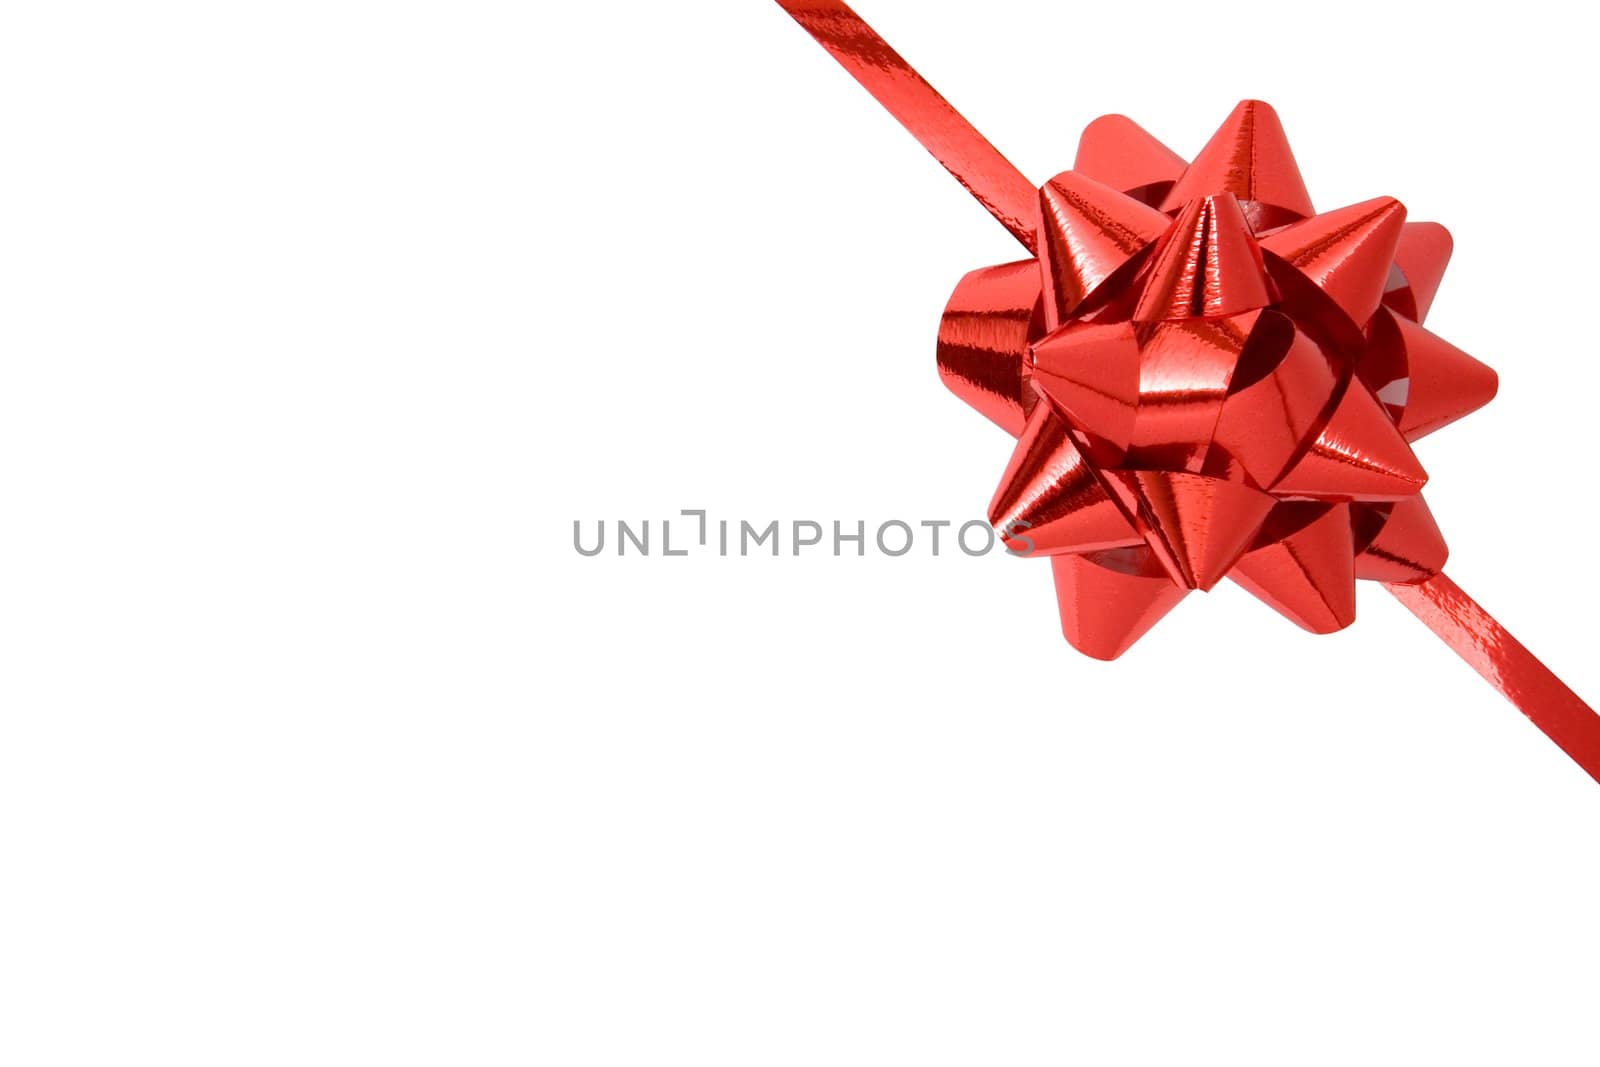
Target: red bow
x,y
1207,379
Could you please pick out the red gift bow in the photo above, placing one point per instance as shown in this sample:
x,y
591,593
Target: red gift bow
x,y
1207,379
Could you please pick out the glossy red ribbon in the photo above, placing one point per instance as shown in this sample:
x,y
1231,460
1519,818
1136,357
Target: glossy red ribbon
x,y
1207,379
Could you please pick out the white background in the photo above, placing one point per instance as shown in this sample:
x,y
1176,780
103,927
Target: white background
x,y
323,321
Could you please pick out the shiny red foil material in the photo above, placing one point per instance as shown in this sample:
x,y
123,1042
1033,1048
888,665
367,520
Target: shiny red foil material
x,y
1208,378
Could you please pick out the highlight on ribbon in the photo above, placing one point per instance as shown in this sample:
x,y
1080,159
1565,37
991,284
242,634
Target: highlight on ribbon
x,y
1207,378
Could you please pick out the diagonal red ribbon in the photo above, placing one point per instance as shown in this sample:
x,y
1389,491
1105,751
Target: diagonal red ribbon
x,y
1460,622
959,148
1453,616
